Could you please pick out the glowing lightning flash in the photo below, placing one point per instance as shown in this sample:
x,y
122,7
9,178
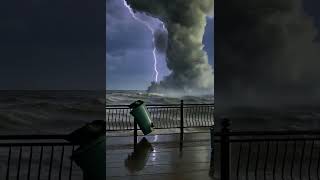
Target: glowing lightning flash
x,y
153,39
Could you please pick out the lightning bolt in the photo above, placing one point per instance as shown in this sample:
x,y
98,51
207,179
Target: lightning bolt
x,y
153,39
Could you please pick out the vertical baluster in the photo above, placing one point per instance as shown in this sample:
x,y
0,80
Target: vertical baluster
x,y
248,160
40,162
116,123
120,120
204,114
283,160
122,117
71,164
125,114
29,164
178,116
8,163
170,117
301,158
293,159
164,112
164,117
193,113
155,120
181,124
159,116
212,115
275,160
197,116
266,161
108,117
189,117
209,116
239,160
61,162
257,162
310,160
202,119
19,163
111,121
51,161
173,116
151,115
201,114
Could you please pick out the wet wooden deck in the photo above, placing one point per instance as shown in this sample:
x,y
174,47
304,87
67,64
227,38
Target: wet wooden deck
x,y
163,161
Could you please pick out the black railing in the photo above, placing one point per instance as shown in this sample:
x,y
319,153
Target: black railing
x,y
266,154
164,116
37,157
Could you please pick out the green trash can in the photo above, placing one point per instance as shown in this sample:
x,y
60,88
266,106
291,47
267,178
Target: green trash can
x,y
90,156
92,159
142,116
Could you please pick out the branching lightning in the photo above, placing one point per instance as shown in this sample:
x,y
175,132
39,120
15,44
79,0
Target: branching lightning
x,y
153,38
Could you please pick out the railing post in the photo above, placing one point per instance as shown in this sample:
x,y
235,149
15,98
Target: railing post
x,y
181,125
225,150
135,134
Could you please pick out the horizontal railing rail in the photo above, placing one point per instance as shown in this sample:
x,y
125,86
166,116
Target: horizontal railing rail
x,y
34,137
164,116
37,157
265,155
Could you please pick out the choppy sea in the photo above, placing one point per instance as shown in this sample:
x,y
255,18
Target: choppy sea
x,y
43,112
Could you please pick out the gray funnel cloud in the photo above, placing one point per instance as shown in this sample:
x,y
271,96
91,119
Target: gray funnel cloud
x,y
266,53
185,21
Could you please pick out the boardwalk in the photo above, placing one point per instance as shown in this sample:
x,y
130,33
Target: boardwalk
x,y
163,160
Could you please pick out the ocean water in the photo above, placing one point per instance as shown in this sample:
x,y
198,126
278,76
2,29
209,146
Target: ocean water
x,y
48,112
61,112
127,97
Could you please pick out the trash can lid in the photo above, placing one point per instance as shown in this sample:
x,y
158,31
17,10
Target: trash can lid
x,y
136,104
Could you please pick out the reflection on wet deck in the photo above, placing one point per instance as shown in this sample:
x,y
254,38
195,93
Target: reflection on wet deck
x,y
161,159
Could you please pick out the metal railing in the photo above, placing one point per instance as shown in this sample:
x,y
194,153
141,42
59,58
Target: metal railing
x,y
266,155
37,157
164,116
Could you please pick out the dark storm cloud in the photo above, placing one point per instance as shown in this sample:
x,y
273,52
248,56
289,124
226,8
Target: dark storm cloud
x,y
52,44
265,53
185,22
161,40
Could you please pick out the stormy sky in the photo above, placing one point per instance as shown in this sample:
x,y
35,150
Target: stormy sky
x,y
57,44
52,44
129,50
267,52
